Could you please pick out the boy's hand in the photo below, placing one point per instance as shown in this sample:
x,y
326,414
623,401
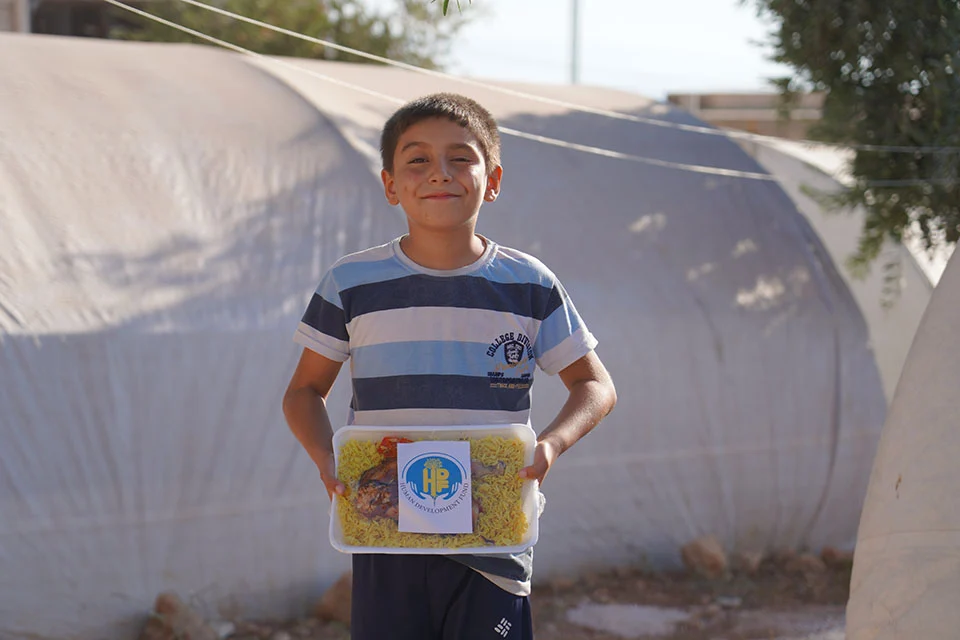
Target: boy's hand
x,y
543,458
328,473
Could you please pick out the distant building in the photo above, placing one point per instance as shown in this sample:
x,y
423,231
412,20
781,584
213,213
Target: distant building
x,y
754,112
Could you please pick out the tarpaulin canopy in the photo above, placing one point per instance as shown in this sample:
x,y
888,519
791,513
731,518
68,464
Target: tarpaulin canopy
x,y
906,571
166,212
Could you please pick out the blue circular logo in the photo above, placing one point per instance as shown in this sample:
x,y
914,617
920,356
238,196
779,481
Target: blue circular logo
x,y
433,476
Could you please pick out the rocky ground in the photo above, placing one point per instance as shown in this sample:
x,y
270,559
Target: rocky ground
x,y
785,597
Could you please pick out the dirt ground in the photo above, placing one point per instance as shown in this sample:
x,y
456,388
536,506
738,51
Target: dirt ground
x,y
719,608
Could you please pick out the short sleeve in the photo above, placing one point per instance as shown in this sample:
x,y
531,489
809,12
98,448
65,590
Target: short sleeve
x,y
323,327
563,338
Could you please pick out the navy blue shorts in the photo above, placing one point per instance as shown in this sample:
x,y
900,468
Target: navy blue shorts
x,y
425,597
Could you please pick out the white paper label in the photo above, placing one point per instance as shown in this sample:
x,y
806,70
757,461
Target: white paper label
x,y
434,482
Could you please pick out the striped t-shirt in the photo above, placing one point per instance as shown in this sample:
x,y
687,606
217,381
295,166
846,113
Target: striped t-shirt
x,y
457,347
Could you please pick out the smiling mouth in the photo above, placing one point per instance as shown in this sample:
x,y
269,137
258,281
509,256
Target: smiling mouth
x,y
440,196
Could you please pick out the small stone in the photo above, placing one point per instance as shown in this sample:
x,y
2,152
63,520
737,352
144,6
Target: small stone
x,y
335,603
306,627
705,556
835,558
244,629
729,602
748,562
223,628
593,580
784,556
712,610
336,631
172,619
256,630
562,583
806,564
250,628
603,596
691,624
640,585
281,635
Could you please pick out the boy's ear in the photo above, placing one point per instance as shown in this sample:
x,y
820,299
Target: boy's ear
x,y
493,184
389,187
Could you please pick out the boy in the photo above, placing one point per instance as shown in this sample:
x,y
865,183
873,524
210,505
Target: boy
x,y
435,322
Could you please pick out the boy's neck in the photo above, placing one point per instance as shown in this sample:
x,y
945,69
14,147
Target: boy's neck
x,y
443,251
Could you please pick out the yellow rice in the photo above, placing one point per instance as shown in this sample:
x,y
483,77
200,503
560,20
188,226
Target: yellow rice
x,y
501,523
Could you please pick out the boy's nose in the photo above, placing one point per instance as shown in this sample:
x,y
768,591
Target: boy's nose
x,y
441,173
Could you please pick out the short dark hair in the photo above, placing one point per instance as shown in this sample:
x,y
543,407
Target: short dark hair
x,y
466,112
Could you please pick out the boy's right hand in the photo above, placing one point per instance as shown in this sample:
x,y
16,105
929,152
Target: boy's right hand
x,y
328,473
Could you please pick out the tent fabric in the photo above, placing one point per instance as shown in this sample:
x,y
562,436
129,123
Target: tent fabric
x,y
166,212
892,327
906,570
158,239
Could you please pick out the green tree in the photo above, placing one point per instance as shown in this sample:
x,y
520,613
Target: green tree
x,y
890,71
446,5
412,31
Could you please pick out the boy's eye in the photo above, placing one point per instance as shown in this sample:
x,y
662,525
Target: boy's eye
x,y
417,160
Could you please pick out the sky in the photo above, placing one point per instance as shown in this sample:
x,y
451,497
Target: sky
x,y
650,47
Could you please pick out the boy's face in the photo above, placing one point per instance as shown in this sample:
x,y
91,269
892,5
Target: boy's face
x,y
439,176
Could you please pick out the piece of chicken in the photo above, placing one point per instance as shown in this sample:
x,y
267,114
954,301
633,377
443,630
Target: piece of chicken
x,y
377,493
478,470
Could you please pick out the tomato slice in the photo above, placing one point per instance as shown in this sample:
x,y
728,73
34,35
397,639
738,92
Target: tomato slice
x,y
388,446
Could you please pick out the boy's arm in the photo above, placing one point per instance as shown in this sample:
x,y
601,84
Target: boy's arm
x,y
305,408
591,397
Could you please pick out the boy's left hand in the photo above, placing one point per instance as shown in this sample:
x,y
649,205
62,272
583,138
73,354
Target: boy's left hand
x,y
543,458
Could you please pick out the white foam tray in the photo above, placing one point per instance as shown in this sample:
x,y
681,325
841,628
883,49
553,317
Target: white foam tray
x,y
529,494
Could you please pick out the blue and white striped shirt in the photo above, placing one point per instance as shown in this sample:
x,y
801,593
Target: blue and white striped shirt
x,y
432,347
457,347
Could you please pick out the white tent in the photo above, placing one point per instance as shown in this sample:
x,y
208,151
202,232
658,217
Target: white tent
x,y
165,213
906,572
800,167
